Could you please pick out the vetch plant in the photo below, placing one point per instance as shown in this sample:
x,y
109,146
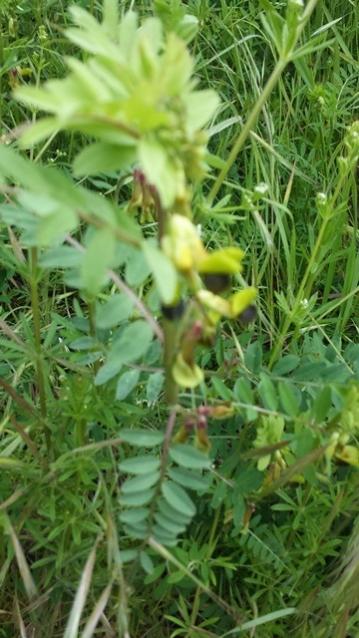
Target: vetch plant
x,y
160,423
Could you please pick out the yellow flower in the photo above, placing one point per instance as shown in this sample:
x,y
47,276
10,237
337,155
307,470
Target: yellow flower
x,y
182,243
186,375
349,454
184,247
241,300
226,261
231,307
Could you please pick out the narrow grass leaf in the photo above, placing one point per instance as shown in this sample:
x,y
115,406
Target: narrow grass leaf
x,y
27,579
97,613
73,623
262,620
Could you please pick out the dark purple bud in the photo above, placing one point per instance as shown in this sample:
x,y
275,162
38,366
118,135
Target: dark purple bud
x,y
248,315
174,312
216,282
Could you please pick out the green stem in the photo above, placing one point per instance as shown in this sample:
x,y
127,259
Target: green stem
x,y
211,546
170,328
163,551
284,59
306,285
35,306
170,337
238,145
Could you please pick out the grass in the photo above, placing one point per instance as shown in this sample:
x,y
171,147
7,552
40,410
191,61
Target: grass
x,y
265,555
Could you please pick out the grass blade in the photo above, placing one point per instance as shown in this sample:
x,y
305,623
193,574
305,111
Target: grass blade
x,y
27,579
262,620
80,598
97,612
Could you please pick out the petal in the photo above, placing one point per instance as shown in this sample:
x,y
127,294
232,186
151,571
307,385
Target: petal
x,y
214,302
226,260
349,454
185,375
241,300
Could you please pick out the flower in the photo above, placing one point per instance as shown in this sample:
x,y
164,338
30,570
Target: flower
x,y
223,261
186,375
183,245
231,307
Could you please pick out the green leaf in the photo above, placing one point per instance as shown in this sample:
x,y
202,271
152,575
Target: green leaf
x,y
253,357
189,456
52,228
201,106
117,309
163,272
190,479
172,514
154,387
126,383
139,531
159,170
133,343
98,257
134,516
288,398
142,438
310,371
39,131
286,364
108,371
137,499
60,257
221,389
141,482
128,555
137,268
248,480
164,539
322,404
244,393
169,526
140,465
146,562
268,393
261,620
102,158
178,498
83,343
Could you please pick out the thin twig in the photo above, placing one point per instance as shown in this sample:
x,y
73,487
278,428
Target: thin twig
x,y
121,285
5,328
167,440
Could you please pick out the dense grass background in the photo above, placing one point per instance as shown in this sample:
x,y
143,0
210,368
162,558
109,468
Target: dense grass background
x,y
300,537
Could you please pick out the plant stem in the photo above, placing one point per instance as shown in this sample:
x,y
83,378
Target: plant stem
x,y
170,334
307,282
170,328
35,306
211,547
238,145
163,551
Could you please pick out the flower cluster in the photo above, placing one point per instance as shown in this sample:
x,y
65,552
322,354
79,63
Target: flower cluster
x,y
206,274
